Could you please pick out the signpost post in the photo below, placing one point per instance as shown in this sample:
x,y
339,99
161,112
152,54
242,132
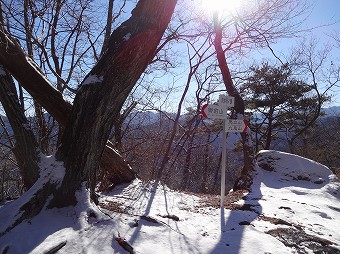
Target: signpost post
x,y
223,166
219,111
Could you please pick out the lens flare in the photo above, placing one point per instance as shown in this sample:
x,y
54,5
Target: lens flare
x,y
227,6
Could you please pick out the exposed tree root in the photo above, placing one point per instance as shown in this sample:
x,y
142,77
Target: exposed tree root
x,y
56,248
31,207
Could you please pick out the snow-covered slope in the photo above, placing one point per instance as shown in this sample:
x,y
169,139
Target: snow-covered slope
x,y
293,208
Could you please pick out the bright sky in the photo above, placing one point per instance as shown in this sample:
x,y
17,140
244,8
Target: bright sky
x,y
326,11
324,18
325,21
323,13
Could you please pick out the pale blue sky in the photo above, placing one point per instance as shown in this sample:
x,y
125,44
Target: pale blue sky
x,y
325,21
324,18
326,11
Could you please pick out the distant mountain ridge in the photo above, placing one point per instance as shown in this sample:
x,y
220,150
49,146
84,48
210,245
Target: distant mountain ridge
x,y
332,111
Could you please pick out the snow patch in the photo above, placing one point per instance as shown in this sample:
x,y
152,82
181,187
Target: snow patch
x,y
93,79
200,228
51,169
293,167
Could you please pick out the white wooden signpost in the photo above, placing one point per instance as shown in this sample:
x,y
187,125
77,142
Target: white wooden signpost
x,y
214,111
227,101
219,111
235,125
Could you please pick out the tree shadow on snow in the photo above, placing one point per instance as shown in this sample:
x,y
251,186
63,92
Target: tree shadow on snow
x,y
236,217
145,220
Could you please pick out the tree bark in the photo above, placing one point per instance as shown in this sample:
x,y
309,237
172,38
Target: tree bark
x,y
30,77
43,136
108,26
25,149
131,48
245,180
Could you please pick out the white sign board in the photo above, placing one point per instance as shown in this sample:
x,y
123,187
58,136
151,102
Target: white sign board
x,y
226,101
214,111
235,125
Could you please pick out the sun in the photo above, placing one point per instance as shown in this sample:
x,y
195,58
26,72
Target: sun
x,y
222,6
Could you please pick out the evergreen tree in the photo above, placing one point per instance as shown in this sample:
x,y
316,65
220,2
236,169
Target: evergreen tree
x,y
279,102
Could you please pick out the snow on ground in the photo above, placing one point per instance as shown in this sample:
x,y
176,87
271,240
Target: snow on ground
x,y
293,208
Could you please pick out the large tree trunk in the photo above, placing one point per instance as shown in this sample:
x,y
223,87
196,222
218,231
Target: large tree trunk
x,y
28,75
245,180
103,92
43,135
25,149
131,48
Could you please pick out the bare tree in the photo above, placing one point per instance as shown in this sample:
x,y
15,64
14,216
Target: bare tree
x,y
28,74
316,66
254,27
25,149
132,46
102,93
195,60
324,142
63,38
